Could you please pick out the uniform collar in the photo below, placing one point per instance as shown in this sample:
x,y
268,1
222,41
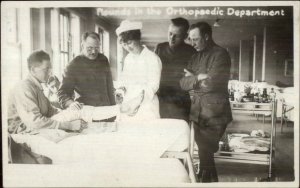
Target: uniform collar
x,y
143,52
90,60
179,47
209,46
35,81
145,49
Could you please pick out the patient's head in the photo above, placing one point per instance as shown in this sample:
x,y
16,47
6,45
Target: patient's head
x,y
39,65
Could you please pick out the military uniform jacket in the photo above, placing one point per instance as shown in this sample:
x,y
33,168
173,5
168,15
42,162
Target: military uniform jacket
x,y
210,102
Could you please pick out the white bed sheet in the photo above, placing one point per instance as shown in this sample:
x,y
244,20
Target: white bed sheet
x,y
158,172
133,141
128,157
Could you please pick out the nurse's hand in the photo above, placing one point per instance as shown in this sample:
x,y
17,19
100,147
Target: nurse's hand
x,y
131,107
187,73
75,105
132,113
201,76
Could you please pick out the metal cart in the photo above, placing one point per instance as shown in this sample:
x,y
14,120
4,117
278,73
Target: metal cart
x,y
252,158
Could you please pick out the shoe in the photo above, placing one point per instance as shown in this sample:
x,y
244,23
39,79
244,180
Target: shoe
x,y
206,176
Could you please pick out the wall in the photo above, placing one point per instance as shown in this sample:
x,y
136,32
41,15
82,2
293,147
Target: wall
x,y
35,13
245,64
113,60
279,48
234,56
259,52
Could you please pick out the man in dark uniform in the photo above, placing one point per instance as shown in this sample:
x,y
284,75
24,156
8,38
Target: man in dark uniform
x,y
89,76
174,54
208,75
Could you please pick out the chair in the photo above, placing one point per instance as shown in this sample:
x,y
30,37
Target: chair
x,y
284,118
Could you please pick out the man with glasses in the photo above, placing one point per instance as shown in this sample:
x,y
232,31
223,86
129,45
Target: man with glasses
x,y
208,74
87,79
174,54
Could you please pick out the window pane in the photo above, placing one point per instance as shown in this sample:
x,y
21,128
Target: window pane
x,y
65,33
61,31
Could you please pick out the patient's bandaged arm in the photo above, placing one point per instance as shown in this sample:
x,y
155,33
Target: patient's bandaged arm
x,y
87,113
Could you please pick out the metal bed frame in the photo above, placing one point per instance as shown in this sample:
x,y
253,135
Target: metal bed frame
x,y
187,162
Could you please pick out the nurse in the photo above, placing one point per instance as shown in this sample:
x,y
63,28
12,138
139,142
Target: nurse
x,y
141,72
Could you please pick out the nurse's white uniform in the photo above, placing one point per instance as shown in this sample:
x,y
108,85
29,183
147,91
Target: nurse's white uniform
x,y
142,72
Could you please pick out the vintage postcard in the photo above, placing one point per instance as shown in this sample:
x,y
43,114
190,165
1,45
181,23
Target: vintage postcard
x,y
150,93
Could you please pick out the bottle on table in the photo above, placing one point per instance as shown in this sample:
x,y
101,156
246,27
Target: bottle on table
x,y
265,96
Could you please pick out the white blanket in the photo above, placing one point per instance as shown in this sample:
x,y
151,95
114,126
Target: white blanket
x,y
158,172
128,157
132,141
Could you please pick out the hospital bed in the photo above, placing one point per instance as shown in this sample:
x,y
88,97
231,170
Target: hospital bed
x,y
138,153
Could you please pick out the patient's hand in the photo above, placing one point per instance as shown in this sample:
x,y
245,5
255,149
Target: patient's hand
x,y
131,107
77,125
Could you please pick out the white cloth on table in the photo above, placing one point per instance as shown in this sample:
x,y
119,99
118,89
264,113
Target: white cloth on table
x,y
142,72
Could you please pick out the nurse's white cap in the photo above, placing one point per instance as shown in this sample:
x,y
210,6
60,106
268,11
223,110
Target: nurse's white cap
x,y
127,25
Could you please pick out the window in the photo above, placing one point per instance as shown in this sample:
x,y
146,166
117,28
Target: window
x,y
65,38
75,33
104,40
100,33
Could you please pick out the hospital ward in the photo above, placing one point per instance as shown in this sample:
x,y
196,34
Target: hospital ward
x,y
124,95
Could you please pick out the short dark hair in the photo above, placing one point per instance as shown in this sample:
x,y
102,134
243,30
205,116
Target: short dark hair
x,y
36,58
91,34
130,35
181,22
203,27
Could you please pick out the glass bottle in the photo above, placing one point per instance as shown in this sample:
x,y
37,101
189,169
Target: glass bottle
x,y
264,96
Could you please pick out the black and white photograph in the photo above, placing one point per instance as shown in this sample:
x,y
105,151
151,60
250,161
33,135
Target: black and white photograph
x,y
150,93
